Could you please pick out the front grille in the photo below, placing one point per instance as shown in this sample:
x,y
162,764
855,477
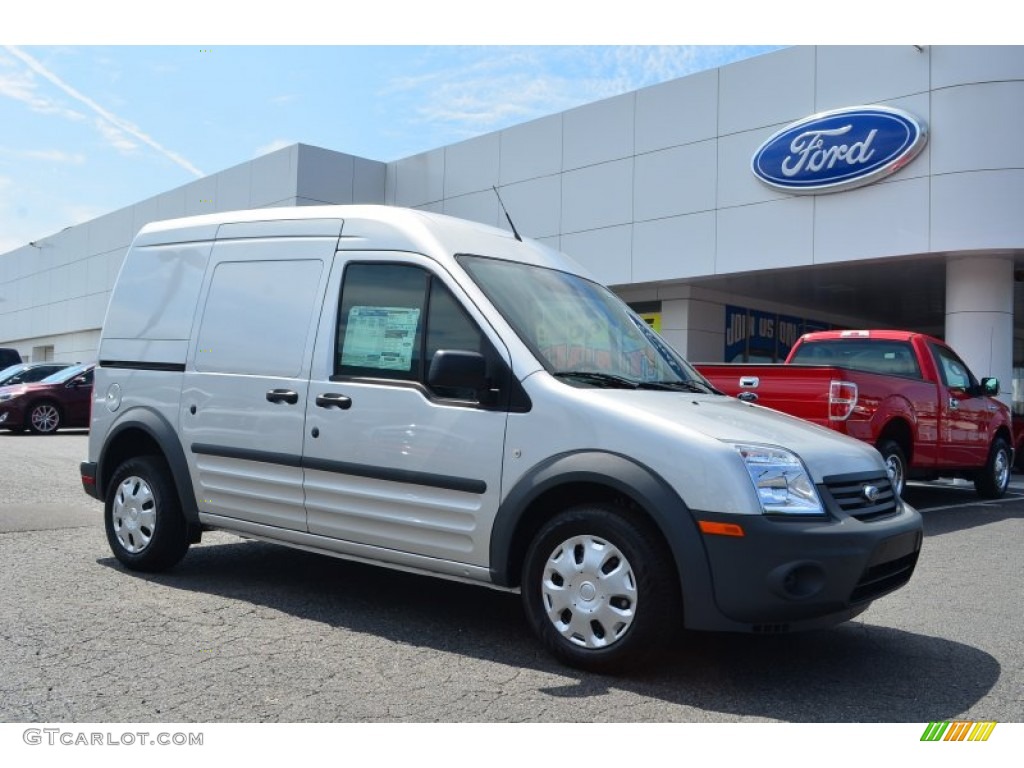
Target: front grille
x,y
884,577
847,496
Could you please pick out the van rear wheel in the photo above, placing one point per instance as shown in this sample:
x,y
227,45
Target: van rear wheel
x,y
145,526
599,589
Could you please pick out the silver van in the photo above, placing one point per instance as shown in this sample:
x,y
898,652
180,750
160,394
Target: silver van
x,y
420,392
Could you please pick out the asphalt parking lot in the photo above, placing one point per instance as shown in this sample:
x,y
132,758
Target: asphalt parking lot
x,y
243,631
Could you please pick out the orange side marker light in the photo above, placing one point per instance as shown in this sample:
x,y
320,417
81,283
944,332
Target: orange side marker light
x,y
720,529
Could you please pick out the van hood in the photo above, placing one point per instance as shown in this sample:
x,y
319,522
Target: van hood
x,y
729,420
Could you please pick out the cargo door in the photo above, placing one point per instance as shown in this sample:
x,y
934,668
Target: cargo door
x,y
244,394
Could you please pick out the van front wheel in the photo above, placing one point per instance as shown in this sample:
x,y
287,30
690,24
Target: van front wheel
x,y
145,526
598,588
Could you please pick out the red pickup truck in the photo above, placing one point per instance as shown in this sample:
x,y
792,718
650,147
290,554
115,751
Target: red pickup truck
x,y
907,394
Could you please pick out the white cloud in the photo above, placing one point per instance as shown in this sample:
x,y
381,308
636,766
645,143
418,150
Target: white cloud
x,y
481,89
21,86
115,136
47,155
111,126
54,156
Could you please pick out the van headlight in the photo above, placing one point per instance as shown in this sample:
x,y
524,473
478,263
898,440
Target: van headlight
x,y
780,479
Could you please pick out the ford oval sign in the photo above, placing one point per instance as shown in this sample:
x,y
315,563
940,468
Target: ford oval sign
x,y
840,149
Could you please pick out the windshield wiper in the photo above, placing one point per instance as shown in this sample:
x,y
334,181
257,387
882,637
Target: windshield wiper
x,y
598,379
689,385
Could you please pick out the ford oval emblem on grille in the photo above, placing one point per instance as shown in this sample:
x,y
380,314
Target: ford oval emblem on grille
x,y
839,149
870,493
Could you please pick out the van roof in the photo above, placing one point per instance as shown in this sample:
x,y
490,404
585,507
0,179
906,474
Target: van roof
x,y
383,227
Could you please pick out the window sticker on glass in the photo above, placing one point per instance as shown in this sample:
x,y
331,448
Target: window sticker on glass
x,y
380,337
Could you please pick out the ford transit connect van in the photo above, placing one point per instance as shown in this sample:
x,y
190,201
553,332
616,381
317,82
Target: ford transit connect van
x,y
425,393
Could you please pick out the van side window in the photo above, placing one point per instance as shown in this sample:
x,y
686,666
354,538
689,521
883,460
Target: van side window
x,y
392,320
449,327
380,322
264,337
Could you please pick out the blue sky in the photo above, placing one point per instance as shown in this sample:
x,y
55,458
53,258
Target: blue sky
x,y
88,129
106,103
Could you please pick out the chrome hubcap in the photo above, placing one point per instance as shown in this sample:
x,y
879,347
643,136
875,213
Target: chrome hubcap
x,y
1002,469
894,467
134,514
589,591
44,418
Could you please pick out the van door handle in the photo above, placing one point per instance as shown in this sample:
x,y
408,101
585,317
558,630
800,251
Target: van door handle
x,y
334,400
283,396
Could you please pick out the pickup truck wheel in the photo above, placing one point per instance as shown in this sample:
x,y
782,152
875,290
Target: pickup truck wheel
x,y
145,526
599,588
992,481
895,464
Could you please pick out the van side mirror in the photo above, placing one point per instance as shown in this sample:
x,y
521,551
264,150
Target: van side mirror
x,y
458,369
79,381
990,386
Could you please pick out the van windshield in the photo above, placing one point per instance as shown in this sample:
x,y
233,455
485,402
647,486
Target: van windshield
x,y
580,331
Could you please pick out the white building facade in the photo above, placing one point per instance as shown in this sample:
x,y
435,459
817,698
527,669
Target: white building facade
x,y
654,192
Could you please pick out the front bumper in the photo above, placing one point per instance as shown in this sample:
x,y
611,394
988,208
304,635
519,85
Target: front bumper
x,y
11,416
787,574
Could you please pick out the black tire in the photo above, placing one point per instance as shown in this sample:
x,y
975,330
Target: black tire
x,y
992,481
44,418
895,464
615,582
145,526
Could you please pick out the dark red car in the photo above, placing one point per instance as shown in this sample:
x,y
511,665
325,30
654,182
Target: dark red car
x,y
62,399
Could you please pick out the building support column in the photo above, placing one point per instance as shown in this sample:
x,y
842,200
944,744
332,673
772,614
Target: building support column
x,y
695,328
979,316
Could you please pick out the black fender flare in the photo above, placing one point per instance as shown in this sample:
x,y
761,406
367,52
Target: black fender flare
x,y
163,433
626,476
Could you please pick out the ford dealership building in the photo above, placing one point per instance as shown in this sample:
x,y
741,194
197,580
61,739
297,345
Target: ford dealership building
x,y
813,187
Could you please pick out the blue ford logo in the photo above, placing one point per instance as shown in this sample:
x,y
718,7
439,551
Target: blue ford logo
x,y
840,149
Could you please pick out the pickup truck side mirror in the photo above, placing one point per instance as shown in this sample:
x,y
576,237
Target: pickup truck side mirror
x,y
990,386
